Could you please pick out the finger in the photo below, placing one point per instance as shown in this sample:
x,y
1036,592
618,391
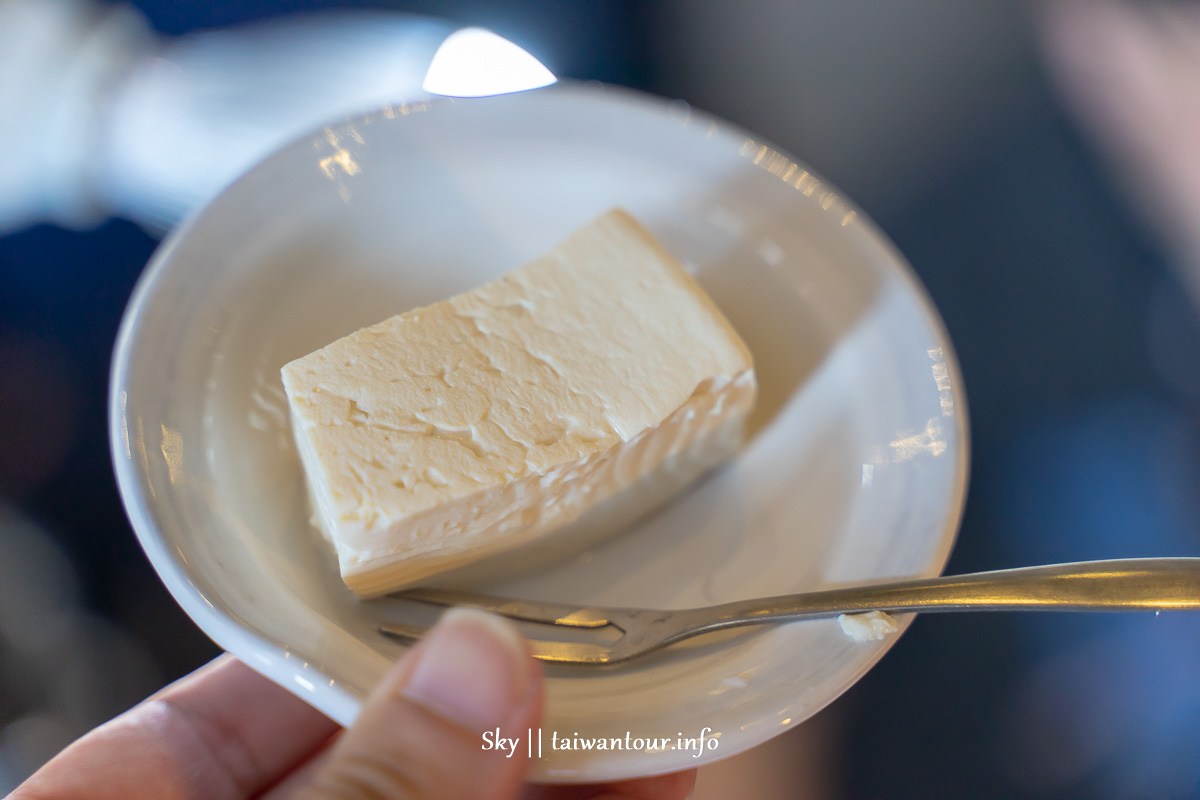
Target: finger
x,y
674,786
222,732
294,782
420,733
256,729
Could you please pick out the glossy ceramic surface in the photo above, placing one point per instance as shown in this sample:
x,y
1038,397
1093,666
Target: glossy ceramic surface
x,y
855,469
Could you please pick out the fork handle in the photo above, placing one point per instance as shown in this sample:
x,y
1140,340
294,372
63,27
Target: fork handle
x,y
1114,585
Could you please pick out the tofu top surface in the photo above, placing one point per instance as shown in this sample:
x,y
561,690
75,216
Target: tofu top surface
x,y
583,348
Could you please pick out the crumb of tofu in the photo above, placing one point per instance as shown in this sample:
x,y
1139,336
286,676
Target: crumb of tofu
x,y
872,626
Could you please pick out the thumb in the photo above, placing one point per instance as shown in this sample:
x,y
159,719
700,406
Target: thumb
x,y
420,734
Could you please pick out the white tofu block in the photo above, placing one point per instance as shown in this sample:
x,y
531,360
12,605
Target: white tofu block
x,y
489,421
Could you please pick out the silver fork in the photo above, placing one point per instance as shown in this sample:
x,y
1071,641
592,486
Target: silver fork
x,y
1159,584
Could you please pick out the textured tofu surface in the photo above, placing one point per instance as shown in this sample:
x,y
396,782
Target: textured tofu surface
x,y
455,431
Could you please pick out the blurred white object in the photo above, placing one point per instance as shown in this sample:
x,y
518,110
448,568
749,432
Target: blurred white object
x,y
60,58
1131,72
474,62
100,117
193,116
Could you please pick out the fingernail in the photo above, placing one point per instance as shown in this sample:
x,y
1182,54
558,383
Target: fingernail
x,y
472,669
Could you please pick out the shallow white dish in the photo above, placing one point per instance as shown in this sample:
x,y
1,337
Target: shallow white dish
x,y
855,470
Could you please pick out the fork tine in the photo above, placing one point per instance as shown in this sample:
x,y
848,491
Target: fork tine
x,y
569,652
403,631
565,614
550,652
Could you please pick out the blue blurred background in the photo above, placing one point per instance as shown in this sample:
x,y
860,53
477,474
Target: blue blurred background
x,y
1073,321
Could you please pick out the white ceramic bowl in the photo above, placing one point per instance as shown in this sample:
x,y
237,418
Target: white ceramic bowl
x,y
855,470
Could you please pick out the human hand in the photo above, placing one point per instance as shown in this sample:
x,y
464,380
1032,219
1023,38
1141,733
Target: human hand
x,y
224,732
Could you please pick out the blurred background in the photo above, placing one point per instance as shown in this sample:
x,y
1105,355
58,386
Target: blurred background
x,y
1035,164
